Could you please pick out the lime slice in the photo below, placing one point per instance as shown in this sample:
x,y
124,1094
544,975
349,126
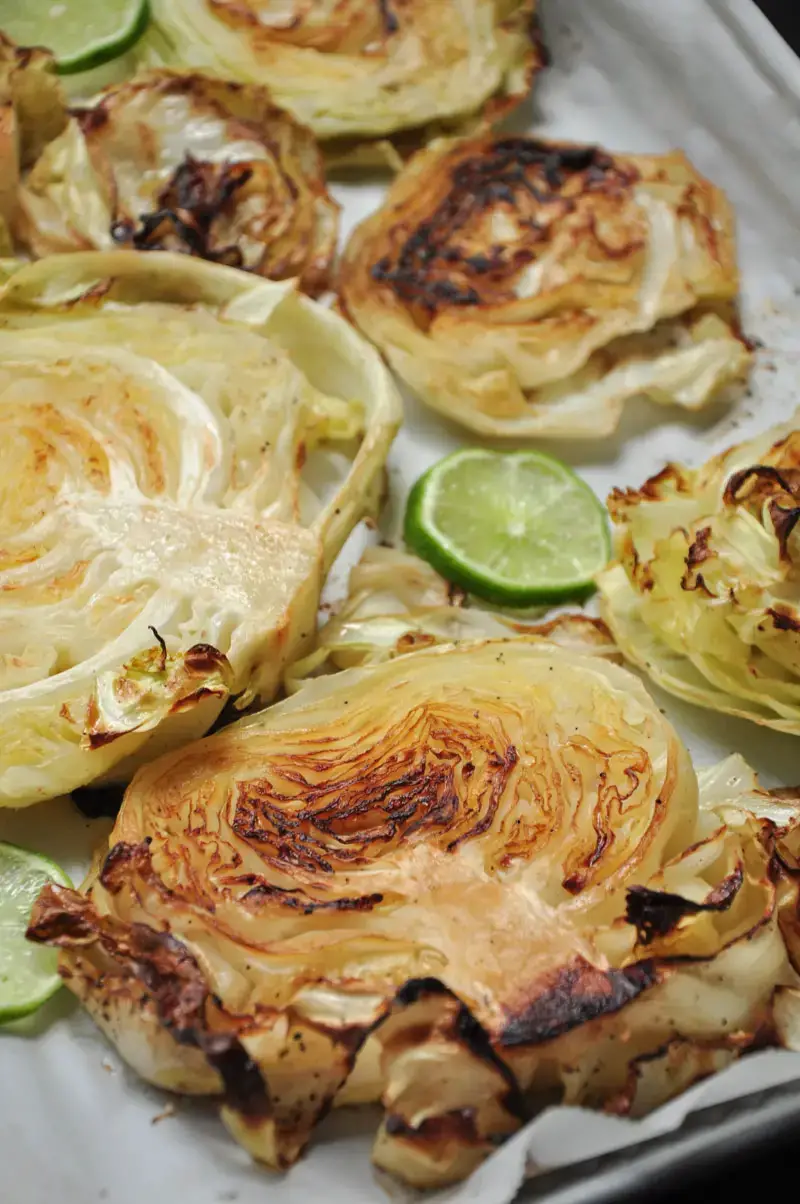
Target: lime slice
x,y
81,33
515,528
27,972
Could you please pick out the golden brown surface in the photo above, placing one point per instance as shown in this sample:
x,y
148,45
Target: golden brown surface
x,y
705,594
360,70
439,882
183,162
524,287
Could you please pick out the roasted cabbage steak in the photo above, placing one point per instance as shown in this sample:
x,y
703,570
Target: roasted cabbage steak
x,y
184,450
361,70
447,882
180,161
705,592
528,288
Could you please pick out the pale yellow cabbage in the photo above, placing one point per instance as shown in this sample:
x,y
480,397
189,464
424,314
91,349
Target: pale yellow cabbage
x,y
180,161
705,593
442,882
397,603
355,69
527,288
184,450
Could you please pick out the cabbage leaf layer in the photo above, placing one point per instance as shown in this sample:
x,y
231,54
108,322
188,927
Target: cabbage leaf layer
x,y
184,450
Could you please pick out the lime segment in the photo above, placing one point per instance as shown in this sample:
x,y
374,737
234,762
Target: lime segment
x,y
81,33
515,528
27,972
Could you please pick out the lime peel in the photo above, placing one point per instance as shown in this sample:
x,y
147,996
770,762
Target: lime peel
x,y
82,34
515,528
28,974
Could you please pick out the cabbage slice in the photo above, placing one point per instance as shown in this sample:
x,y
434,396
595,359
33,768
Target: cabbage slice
x,y
184,450
356,71
181,161
705,592
524,287
444,882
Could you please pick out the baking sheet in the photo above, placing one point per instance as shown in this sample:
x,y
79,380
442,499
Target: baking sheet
x,y
636,75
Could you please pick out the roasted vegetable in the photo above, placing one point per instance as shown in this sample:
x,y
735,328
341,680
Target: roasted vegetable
x,y
529,288
705,593
184,162
442,882
361,69
397,604
185,448
32,112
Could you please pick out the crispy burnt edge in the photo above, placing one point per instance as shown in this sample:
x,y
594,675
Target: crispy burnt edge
x,y
576,995
467,1031
672,475
756,486
657,913
172,978
174,982
492,170
580,993
777,488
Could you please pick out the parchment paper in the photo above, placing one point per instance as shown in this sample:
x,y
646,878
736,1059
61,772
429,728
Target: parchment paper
x,y
638,75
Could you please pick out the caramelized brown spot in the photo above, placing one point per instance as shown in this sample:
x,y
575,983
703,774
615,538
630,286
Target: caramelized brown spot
x,y
577,994
197,196
784,620
777,488
430,270
413,640
784,521
296,898
699,552
203,659
121,861
758,483
326,808
656,913
173,979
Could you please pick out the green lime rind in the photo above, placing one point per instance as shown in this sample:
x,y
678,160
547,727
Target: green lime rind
x,y
28,974
60,25
111,48
529,508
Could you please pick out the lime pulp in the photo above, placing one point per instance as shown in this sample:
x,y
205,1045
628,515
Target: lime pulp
x,y
516,528
28,974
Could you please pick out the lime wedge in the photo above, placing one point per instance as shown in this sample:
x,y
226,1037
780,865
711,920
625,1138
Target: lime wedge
x,y
27,972
81,33
515,528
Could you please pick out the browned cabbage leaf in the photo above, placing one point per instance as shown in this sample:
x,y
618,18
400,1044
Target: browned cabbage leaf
x,y
529,288
32,113
184,162
357,71
705,593
442,882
